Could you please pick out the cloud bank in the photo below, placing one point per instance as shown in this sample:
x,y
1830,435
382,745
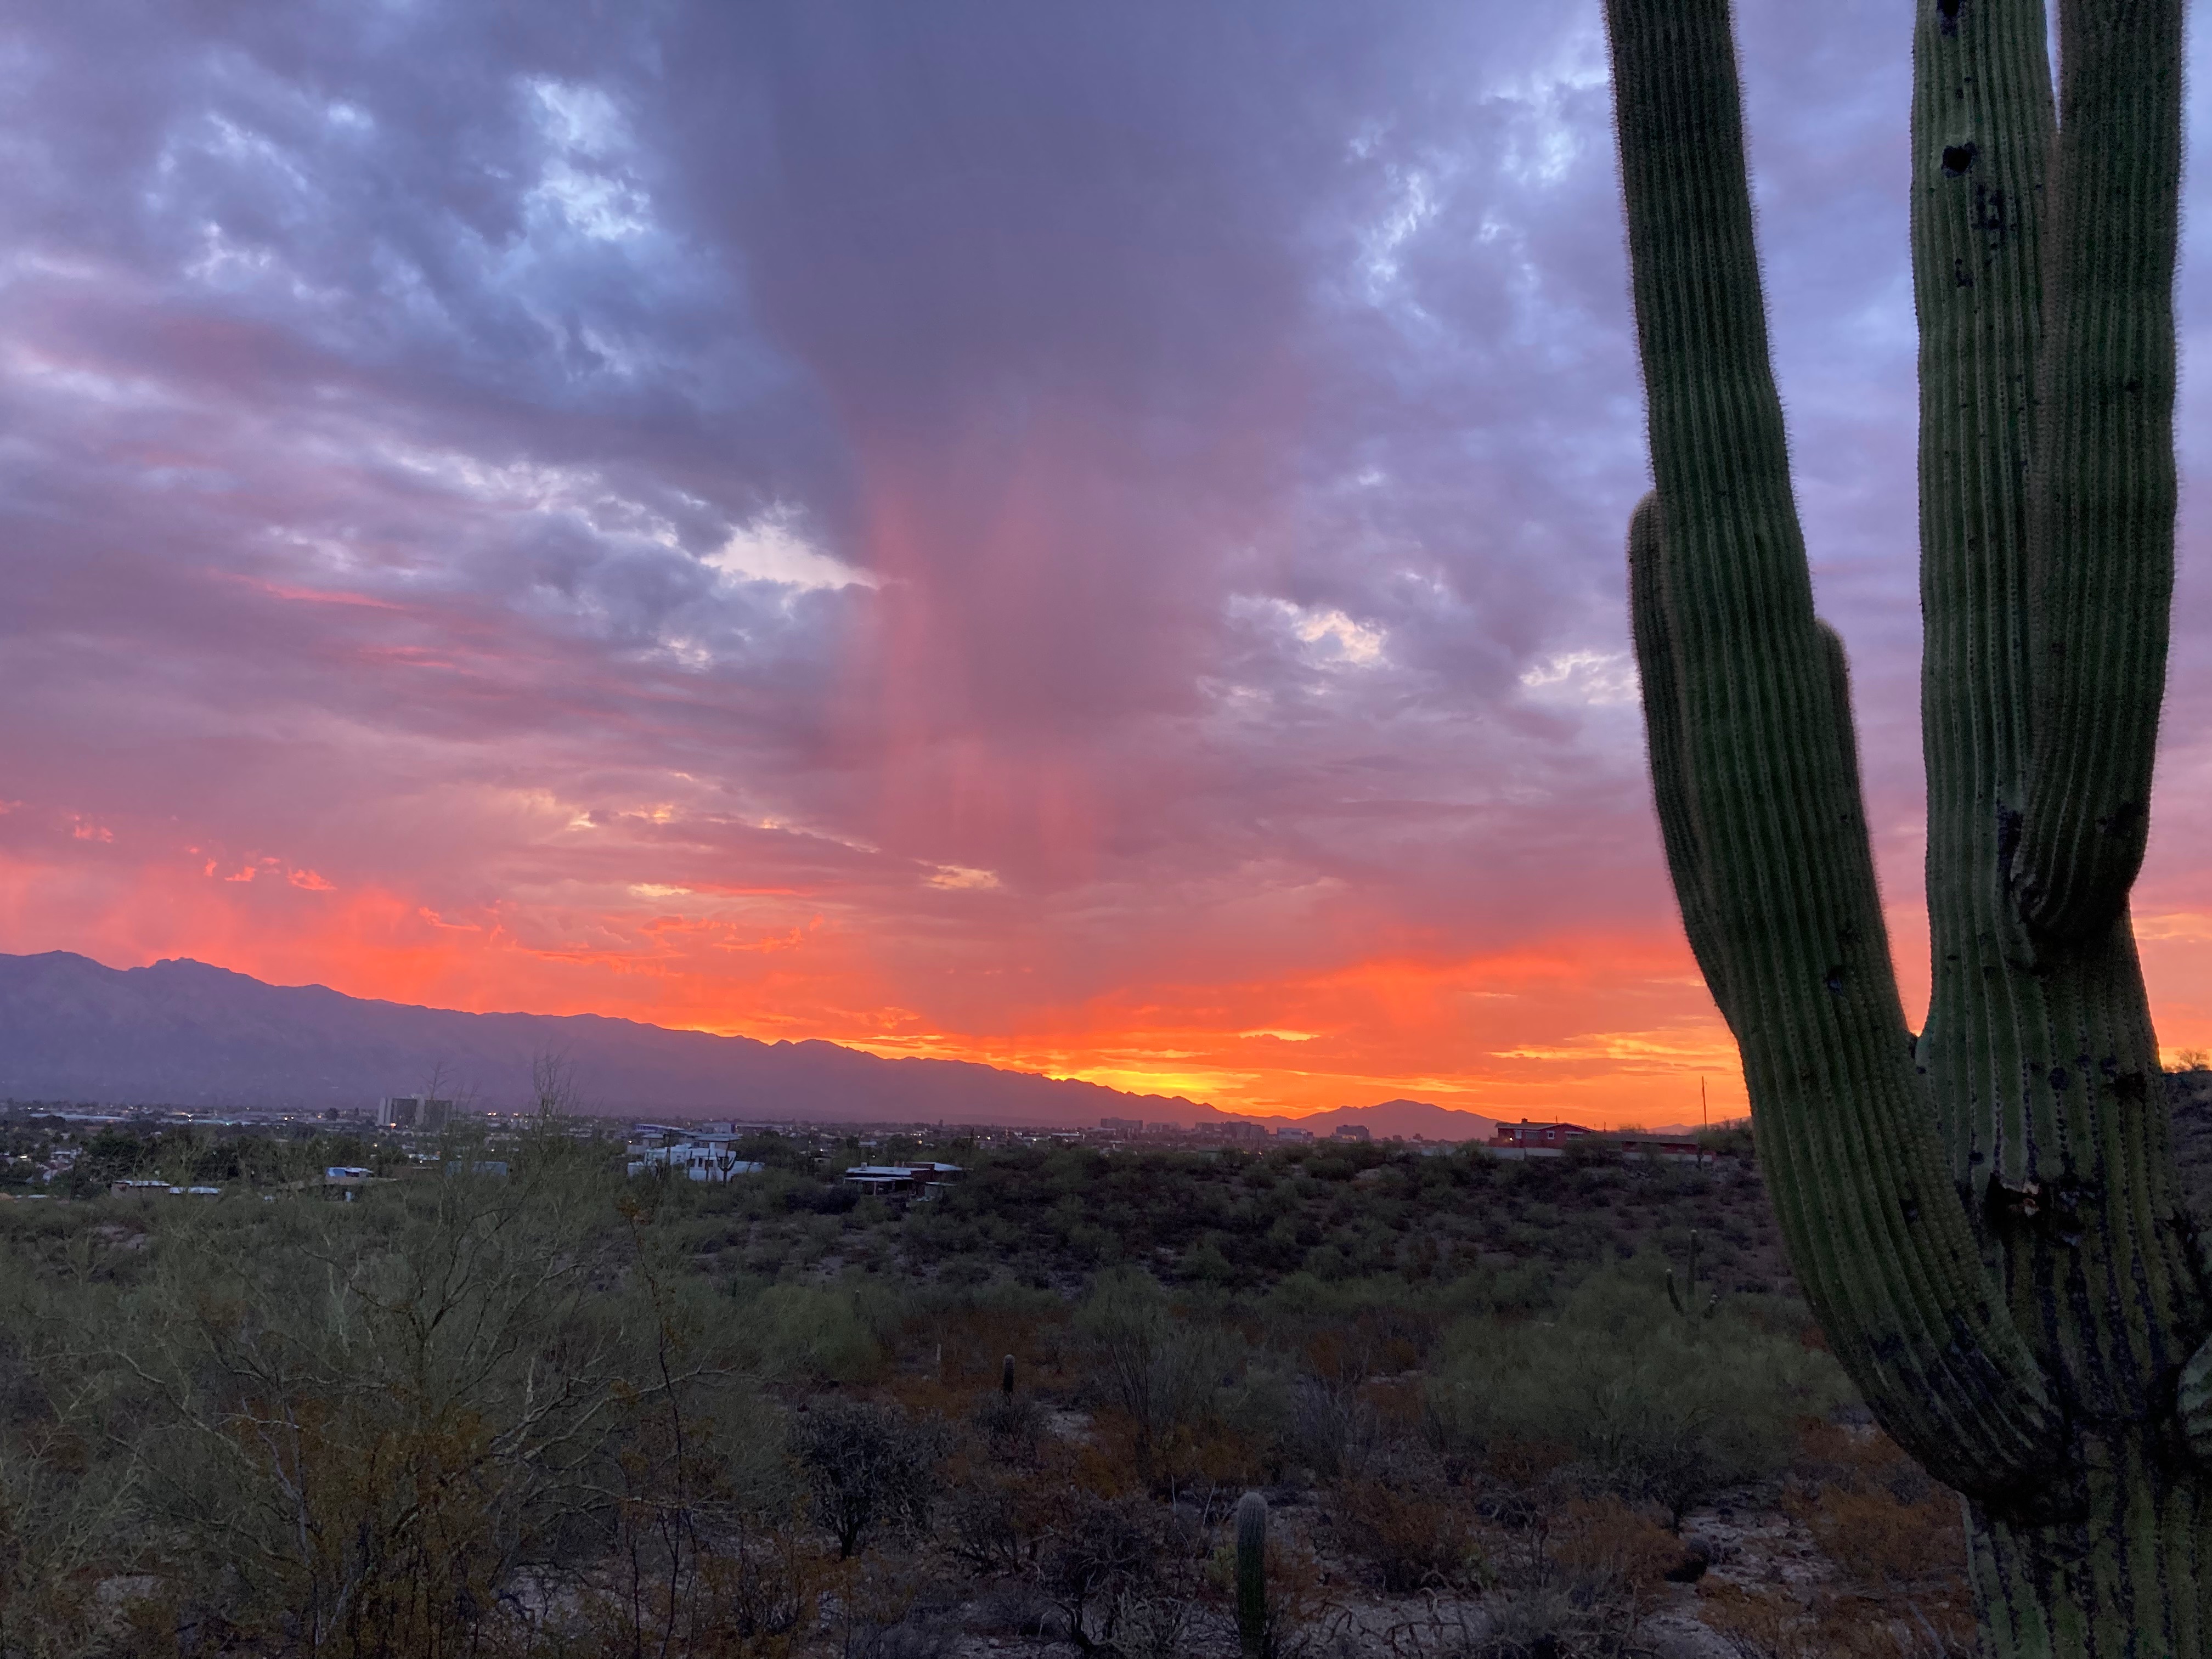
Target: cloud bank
x,y
1087,539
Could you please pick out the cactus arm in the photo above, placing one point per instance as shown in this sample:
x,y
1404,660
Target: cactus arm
x,y
1662,732
2101,531
1874,1229
1983,125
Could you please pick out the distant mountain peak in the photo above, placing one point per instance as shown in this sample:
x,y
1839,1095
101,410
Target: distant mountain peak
x,y
188,1033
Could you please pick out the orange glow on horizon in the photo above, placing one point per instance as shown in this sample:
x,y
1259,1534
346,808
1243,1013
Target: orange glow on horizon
x,y
1609,1030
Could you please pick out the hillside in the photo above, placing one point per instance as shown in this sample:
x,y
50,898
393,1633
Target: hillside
x,y
184,1034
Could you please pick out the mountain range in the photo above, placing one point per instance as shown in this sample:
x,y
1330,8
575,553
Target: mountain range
x,y
181,1033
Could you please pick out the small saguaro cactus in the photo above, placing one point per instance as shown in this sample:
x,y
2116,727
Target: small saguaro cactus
x,y
1985,1215
1007,1376
1252,1575
1686,1298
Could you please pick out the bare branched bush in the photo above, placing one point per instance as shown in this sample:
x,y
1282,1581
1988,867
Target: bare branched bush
x,y
869,1465
1012,1425
1104,1558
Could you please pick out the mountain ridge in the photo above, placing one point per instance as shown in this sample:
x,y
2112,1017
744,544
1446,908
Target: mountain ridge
x,y
182,1032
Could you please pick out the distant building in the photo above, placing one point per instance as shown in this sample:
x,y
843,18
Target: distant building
x,y
1240,1131
696,1157
1351,1131
1294,1135
923,1181
344,1180
1525,1134
1122,1125
420,1112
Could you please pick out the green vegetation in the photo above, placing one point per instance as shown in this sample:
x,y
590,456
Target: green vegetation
x,y
1050,1218
1984,1214
188,1158
560,1413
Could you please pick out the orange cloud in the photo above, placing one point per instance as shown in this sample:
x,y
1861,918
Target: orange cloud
x,y
1603,1027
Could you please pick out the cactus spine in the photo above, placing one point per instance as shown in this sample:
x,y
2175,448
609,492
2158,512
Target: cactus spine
x,y
1985,1217
1252,1575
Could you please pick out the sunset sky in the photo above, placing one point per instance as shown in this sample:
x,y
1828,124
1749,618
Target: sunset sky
x,y
1082,537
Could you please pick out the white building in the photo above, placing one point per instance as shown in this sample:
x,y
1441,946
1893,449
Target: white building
x,y
697,1157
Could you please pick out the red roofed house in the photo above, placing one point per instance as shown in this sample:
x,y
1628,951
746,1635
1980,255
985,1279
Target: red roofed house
x,y
1525,1134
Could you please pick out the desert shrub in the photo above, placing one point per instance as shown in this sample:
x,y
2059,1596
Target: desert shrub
x,y
1820,1623
1012,1425
868,1465
1612,1560
895,1607
1406,1526
1653,1407
696,1563
1732,1140
965,1271
1894,1534
817,1332
1332,1426
1105,1557
811,1198
1520,1621
1161,1372
1155,1626
1543,1622
413,1424
996,1521
352,1424
1208,1263
66,1521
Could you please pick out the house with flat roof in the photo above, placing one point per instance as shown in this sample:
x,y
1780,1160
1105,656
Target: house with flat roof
x,y
916,1181
1525,1134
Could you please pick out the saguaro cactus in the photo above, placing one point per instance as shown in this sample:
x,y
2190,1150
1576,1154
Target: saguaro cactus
x,y
1985,1217
1252,1575
1685,1300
